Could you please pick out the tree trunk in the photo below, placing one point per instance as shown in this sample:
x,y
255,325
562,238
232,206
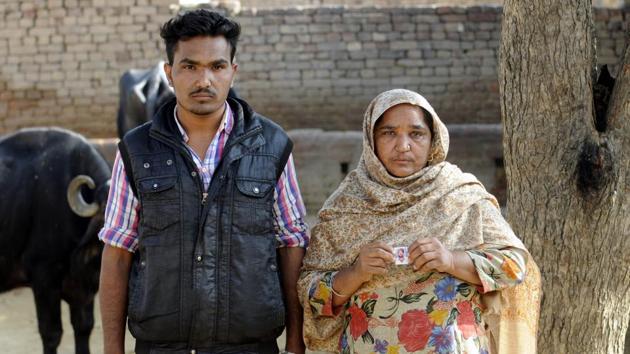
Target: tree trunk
x,y
568,172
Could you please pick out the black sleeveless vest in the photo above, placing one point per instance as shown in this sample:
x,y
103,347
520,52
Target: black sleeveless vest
x,y
206,271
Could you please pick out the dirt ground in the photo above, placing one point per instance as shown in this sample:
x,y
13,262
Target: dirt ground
x,y
18,327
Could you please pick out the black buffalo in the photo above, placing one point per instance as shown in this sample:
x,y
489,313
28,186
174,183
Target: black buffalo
x,y
142,92
54,187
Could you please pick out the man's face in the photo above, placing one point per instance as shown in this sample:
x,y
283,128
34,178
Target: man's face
x,y
402,140
201,74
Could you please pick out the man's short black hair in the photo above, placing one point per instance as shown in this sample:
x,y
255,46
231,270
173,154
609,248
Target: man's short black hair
x,y
198,22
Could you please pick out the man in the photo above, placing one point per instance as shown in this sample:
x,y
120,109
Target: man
x,y
204,226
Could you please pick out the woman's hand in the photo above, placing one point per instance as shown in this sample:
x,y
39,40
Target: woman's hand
x,y
430,254
373,259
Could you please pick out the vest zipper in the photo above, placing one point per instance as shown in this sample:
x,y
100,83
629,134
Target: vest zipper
x,y
220,225
217,274
186,154
204,198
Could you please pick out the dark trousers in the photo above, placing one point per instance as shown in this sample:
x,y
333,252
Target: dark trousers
x,y
170,348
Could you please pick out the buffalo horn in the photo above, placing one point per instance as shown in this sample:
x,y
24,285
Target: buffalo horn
x,y
75,199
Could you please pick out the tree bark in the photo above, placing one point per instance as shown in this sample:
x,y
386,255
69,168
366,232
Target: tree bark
x,y
568,172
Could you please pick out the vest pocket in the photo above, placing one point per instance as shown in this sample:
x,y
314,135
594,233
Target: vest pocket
x,y
157,220
253,206
158,188
154,285
253,188
154,295
257,310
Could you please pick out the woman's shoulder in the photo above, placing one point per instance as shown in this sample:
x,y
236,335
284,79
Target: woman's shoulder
x,y
454,174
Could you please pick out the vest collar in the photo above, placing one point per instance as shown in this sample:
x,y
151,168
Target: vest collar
x,y
246,133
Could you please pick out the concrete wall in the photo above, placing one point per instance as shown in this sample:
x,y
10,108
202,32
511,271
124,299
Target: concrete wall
x,y
324,158
305,68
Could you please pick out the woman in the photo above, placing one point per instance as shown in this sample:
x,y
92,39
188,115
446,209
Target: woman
x,y
464,260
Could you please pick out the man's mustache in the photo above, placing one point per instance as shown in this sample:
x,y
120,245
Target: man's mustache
x,y
205,90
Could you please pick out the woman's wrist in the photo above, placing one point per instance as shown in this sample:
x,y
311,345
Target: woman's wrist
x,y
464,268
349,280
332,287
356,274
454,262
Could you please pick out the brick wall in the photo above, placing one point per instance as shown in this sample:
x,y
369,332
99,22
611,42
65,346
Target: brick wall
x,y
320,67
265,4
309,68
62,59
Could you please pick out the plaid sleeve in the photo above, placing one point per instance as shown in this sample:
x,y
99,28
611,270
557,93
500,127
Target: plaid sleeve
x,y
121,213
289,212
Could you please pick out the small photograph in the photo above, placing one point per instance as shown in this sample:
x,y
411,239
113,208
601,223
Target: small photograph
x,y
401,255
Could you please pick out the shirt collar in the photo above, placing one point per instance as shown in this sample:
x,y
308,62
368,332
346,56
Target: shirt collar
x,y
227,122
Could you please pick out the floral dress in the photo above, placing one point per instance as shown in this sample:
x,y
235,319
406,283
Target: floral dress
x,y
436,313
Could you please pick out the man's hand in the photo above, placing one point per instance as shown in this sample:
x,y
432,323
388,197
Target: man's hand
x,y
115,266
290,264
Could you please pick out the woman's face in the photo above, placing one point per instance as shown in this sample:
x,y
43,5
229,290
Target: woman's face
x,y
402,140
